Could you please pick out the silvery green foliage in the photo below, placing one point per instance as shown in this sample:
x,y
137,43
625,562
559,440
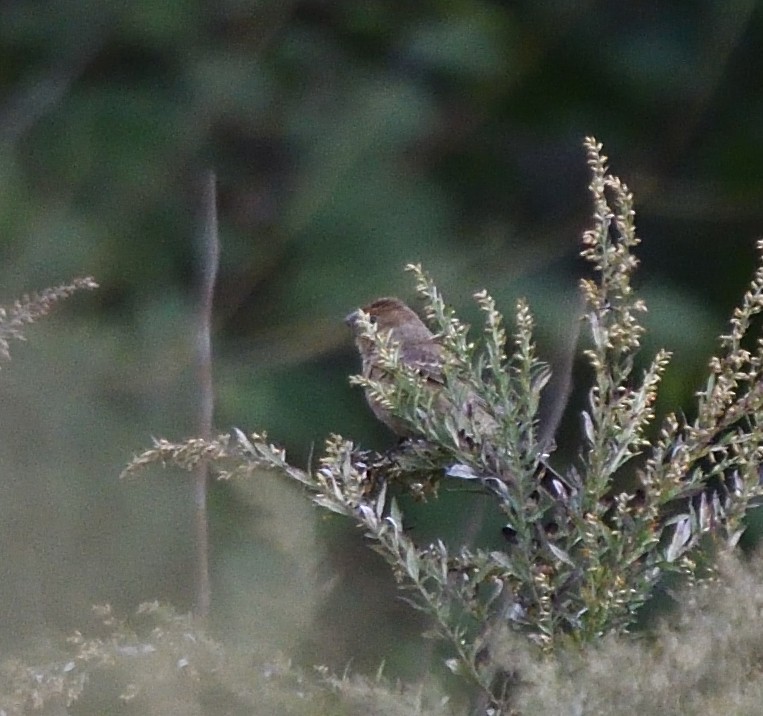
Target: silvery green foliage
x,y
580,557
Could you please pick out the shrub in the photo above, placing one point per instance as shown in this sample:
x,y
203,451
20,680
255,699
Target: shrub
x,y
582,555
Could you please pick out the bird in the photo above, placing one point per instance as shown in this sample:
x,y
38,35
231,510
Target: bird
x,y
419,349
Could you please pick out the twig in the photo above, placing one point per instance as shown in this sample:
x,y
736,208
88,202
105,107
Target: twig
x,y
209,253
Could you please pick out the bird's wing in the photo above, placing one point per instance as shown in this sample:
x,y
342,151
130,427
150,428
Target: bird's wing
x,y
426,358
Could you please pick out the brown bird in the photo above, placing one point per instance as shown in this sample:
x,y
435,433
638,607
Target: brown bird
x,y
419,348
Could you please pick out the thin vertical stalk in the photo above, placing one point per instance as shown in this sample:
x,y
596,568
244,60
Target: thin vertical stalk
x,y
209,254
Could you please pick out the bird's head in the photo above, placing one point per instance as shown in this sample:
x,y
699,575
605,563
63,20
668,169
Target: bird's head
x,y
392,316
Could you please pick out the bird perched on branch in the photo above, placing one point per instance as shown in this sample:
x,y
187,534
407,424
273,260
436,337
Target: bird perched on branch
x,y
419,349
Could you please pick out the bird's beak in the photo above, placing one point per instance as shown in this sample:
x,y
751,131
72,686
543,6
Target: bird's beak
x,y
351,319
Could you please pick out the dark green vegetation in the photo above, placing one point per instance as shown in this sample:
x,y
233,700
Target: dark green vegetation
x,y
349,139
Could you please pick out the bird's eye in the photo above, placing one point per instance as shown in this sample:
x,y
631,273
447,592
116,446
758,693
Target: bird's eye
x,y
372,319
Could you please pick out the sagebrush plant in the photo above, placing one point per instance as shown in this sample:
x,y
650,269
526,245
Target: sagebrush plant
x,y
31,307
704,659
581,555
156,661
21,686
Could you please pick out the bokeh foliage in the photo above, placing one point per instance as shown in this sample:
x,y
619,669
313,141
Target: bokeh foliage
x,y
349,139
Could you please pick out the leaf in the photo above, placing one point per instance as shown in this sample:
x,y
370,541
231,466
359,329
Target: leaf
x,y
329,504
462,471
498,486
495,586
369,516
588,428
560,554
681,537
539,381
395,517
244,440
381,501
734,538
412,562
501,559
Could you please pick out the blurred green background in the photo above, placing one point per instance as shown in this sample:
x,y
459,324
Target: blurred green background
x,y
348,138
